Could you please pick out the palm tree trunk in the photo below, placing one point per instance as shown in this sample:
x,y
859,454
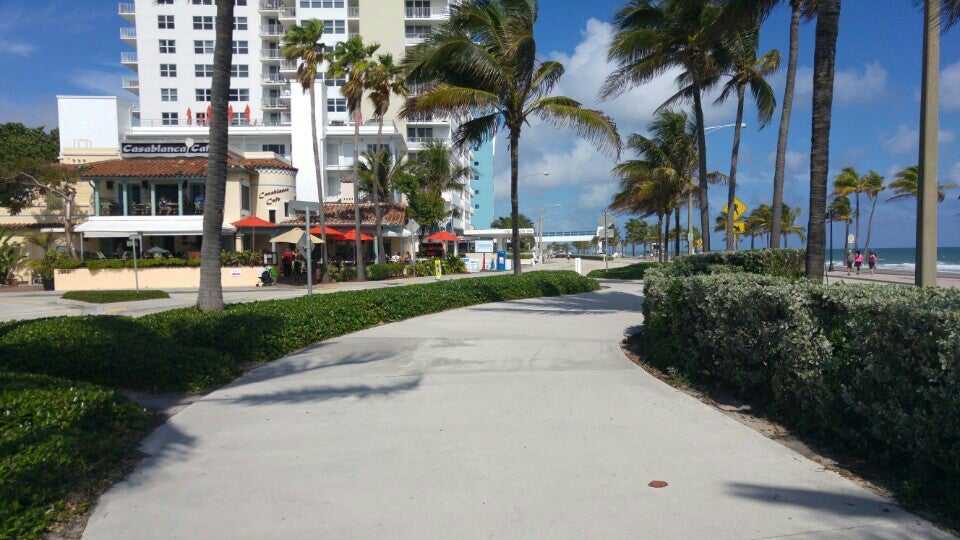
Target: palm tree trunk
x,y
856,242
514,199
732,190
660,237
785,115
324,263
376,194
702,151
926,272
665,246
358,245
824,64
676,223
873,208
210,294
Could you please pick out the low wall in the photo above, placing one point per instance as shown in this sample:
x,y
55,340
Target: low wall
x,y
151,278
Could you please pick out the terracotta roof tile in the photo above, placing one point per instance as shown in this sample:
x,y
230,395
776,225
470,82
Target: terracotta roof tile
x,y
340,214
169,167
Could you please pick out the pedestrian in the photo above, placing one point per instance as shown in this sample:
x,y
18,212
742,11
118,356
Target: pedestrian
x,y
872,262
287,262
858,261
849,262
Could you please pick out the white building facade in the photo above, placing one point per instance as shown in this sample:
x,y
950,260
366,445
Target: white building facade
x,y
172,56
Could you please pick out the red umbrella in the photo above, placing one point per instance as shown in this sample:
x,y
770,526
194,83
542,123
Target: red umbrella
x,y
189,116
351,235
442,236
246,114
331,233
253,222
230,114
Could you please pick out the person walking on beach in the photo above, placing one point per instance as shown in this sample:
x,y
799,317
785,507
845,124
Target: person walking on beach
x,y
858,261
872,261
849,262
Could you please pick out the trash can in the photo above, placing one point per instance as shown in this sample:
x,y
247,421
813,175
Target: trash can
x,y
501,260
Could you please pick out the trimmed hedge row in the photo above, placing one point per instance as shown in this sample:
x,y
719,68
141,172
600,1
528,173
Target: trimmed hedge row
x,y
187,349
872,369
633,271
773,262
56,435
108,296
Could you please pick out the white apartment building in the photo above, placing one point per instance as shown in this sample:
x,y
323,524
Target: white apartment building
x,y
171,58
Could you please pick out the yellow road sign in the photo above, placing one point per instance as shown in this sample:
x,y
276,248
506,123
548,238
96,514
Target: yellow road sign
x,y
738,208
739,227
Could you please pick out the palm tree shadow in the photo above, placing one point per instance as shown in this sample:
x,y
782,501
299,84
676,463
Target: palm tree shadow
x,y
842,504
321,393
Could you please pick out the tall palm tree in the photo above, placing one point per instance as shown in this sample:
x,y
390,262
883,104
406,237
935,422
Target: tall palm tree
x,y
636,234
437,171
384,80
352,59
841,210
760,221
210,293
302,43
788,224
747,70
849,182
390,173
907,185
484,58
875,185
720,225
655,35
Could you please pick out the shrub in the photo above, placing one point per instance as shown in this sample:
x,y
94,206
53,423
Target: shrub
x,y
55,437
95,265
376,272
633,271
106,297
774,262
241,258
453,264
871,369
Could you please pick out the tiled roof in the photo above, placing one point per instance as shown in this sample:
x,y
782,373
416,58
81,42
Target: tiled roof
x,y
170,167
340,214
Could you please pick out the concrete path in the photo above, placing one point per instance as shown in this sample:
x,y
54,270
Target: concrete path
x,y
511,420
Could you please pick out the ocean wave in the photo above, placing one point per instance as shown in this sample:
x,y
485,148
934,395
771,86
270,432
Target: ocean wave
x,y
910,267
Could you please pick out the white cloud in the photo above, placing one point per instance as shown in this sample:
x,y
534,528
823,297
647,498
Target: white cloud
x,y
596,195
953,173
849,85
950,87
907,140
19,49
104,82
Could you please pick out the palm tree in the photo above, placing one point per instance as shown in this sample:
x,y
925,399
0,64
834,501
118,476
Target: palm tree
x,y
747,70
384,80
435,171
655,35
760,221
841,210
302,43
907,185
210,293
850,182
390,173
484,58
351,59
637,232
720,225
875,185
788,223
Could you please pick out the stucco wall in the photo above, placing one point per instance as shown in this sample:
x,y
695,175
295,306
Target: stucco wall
x,y
151,278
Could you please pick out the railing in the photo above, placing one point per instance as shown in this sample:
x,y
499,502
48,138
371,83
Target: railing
x,y
288,65
127,9
128,58
272,30
128,32
288,13
426,118
570,233
270,54
271,5
129,82
274,79
274,103
421,140
418,12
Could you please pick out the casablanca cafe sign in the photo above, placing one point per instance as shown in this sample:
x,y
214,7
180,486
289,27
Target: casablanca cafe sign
x,y
165,149
272,196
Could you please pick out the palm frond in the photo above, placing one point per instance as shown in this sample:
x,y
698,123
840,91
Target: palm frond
x,y
592,124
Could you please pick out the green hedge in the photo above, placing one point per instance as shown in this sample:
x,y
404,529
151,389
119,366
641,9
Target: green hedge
x,y
56,436
187,349
107,297
633,271
774,262
871,369
113,264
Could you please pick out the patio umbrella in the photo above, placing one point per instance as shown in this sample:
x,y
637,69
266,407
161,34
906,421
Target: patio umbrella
x,y
207,119
230,114
253,222
293,236
189,116
246,114
331,233
157,249
442,236
351,235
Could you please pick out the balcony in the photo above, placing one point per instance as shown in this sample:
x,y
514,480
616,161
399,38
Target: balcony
x,y
135,111
274,80
271,55
275,104
128,35
414,38
129,59
288,66
272,31
288,14
131,85
427,13
270,7
426,118
353,12
128,11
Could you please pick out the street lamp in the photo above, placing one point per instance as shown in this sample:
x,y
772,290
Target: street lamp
x,y
540,228
708,129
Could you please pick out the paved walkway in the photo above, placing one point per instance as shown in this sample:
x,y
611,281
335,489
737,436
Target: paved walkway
x,y
512,420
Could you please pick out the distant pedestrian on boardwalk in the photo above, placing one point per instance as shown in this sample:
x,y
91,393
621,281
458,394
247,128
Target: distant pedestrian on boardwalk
x,y
872,261
858,261
849,262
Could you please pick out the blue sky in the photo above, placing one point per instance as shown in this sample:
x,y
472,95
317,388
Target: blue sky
x,y
67,47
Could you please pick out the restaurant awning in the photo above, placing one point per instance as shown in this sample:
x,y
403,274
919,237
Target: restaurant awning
x,y
124,226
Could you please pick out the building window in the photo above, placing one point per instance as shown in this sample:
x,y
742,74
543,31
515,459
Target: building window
x,y
239,70
165,22
476,206
476,163
168,2
203,70
203,23
203,46
240,47
244,197
239,23
334,27
418,8
169,118
168,70
201,121
168,94
335,82
239,2
239,94
419,134
336,105
476,192
417,31
278,149
203,94
321,3
168,46
202,2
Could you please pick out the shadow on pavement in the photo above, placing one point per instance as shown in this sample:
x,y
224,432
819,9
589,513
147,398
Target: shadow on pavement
x,y
843,504
315,394
598,303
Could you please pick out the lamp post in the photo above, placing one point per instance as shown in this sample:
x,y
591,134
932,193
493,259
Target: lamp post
x,y
708,129
538,173
540,228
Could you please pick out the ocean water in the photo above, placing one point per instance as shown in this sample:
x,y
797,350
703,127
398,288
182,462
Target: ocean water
x,y
948,258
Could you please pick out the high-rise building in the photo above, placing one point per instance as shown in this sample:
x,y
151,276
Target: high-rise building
x,y
482,185
172,54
